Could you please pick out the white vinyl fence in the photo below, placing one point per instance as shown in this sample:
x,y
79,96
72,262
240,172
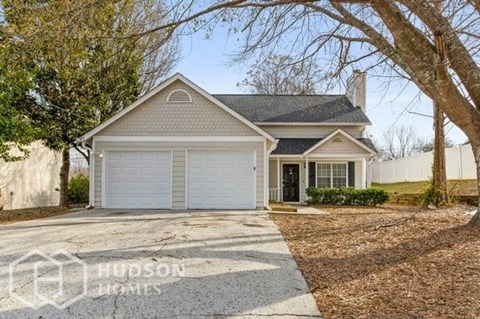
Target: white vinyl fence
x,y
459,160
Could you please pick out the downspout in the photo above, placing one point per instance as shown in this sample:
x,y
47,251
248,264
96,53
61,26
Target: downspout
x,y
91,175
267,174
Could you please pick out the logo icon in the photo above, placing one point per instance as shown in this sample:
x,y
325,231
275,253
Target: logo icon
x,y
37,279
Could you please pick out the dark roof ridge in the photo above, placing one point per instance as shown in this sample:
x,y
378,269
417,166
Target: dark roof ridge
x,y
248,94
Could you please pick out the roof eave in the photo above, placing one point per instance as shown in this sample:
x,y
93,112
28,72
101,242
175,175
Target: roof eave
x,y
314,123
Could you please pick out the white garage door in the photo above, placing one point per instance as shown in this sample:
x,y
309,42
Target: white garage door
x,y
221,180
138,179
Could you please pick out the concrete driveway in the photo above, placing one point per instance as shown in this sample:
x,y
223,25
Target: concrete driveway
x,y
150,264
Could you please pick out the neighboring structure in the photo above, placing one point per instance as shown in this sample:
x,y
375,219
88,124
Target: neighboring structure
x,y
459,161
179,147
31,182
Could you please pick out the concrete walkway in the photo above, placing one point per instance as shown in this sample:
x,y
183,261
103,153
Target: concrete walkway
x,y
303,210
153,264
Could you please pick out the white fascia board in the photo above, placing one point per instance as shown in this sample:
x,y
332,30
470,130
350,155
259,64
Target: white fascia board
x,y
339,156
160,87
342,132
311,124
133,138
299,156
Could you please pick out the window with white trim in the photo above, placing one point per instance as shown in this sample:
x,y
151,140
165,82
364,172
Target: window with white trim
x,y
332,175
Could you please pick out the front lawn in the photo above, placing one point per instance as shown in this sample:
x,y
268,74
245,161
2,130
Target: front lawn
x,y
17,215
455,187
388,262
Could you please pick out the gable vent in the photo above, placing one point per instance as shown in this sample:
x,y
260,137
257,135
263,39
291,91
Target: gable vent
x,y
179,96
337,140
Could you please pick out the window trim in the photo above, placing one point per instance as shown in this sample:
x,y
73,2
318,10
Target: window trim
x,y
179,90
331,172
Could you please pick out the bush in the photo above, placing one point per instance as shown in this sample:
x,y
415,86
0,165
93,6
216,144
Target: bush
x,y
346,196
432,197
78,189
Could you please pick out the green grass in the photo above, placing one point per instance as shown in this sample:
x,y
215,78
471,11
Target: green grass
x,y
456,187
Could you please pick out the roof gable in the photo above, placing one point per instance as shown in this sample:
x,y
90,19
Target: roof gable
x,y
340,142
151,114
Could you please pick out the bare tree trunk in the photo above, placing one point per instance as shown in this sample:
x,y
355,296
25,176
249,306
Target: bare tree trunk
x,y
439,171
475,221
64,173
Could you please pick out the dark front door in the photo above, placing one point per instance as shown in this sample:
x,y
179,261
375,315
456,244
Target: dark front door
x,y
291,181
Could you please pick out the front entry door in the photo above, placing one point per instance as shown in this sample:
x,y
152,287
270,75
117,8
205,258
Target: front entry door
x,y
291,182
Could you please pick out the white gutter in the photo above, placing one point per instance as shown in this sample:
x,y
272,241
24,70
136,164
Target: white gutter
x,y
266,173
91,175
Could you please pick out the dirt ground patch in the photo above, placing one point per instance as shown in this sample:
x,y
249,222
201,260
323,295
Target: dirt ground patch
x,y
17,215
389,262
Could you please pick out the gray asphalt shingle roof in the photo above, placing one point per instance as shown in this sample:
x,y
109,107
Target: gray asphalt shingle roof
x,y
294,108
296,146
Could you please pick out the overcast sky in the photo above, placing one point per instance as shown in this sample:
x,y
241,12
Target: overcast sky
x,y
206,62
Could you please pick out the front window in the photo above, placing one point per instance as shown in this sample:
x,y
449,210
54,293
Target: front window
x,y
331,175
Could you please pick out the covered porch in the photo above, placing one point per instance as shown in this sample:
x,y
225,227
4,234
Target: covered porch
x,y
337,160
289,177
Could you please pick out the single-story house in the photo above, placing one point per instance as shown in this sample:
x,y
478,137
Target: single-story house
x,y
179,147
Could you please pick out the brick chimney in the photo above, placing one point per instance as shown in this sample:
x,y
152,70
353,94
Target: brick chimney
x,y
357,89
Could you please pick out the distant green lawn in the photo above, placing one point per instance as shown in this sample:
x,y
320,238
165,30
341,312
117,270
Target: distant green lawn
x,y
456,187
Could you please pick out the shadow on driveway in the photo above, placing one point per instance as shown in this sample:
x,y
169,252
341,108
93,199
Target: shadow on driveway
x,y
236,265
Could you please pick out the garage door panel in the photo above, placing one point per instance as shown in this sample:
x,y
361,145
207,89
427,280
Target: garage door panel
x,y
221,179
138,179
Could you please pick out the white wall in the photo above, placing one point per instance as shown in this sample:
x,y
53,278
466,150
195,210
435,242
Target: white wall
x,y
32,181
460,164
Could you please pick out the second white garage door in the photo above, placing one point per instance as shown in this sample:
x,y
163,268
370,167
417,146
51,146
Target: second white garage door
x,y
221,180
138,179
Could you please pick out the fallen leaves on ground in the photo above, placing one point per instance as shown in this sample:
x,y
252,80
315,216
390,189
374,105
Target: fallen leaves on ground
x,y
388,262
17,215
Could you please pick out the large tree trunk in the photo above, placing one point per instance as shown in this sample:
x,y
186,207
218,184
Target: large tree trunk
x,y
64,173
439,172
475,221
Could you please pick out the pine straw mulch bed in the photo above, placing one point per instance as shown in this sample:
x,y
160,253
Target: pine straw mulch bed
x,y
17,215
388,262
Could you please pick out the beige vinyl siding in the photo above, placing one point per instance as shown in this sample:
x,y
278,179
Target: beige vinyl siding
x,y
179,163
157,117
302,131
359,181
345,147
272,176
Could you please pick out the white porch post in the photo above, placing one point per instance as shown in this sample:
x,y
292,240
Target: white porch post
x,y
279,187
364,173
266,165
306,173
306,178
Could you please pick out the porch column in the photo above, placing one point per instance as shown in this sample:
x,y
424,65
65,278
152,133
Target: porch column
x,y
279,187
306,173
364,173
